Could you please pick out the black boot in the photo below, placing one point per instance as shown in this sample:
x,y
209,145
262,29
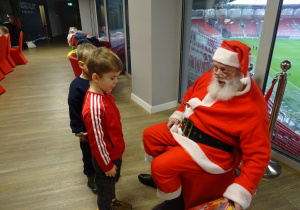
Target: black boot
x,y
174,204
91,183
146,179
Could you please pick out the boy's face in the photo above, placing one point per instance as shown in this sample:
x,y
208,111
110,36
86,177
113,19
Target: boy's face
x,y
107,81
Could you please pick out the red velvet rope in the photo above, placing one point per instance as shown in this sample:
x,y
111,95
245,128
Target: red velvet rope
x,y
267,96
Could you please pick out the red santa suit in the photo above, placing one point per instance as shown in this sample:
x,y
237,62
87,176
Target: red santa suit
x,y
104,130
241,122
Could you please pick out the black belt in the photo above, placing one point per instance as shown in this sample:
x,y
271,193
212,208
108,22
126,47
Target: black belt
x,y
192,132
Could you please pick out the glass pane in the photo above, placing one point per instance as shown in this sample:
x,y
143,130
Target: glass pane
x,y
116,27
215,21
101,19
286,136
127,38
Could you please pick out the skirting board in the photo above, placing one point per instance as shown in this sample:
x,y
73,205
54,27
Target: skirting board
x,y
153,109
284,160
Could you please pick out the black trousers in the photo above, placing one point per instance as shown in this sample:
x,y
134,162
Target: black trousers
x,y
106,184
88,167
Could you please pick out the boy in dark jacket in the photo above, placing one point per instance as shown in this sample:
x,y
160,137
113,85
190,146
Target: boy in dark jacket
x,y
78,88
104,129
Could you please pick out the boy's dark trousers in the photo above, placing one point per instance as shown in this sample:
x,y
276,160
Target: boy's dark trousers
x,y
106,184
88,167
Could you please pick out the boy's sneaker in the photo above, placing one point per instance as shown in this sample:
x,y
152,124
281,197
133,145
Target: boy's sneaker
x,y
91,183
120,205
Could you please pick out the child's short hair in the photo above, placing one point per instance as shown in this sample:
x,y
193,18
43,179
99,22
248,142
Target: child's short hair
x,y
4,29
84,50
103,60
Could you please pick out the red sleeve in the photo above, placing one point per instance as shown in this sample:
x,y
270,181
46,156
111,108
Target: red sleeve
x,y
256,153
96,133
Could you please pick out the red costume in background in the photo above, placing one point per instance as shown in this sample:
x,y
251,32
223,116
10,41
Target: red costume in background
x,y
241,122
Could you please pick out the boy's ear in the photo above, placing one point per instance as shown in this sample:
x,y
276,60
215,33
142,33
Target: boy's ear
x,y
80,64
95,77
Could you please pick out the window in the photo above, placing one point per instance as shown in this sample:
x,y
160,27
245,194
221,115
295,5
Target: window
x,y
286,135
213,23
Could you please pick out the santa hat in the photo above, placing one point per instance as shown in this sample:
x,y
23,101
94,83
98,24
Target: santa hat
x,y
236,54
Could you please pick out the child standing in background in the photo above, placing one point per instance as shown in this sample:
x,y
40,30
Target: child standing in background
x,y
104,129
78,88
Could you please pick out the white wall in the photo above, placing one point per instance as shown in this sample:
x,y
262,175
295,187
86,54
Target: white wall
x,y
55,19
88,16
140,45
155,28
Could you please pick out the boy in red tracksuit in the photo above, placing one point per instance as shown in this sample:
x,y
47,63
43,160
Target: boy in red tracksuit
x,y
102,120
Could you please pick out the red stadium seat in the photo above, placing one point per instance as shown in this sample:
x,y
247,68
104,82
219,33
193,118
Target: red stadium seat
x,y
1,75
17,54
5,67
2,90
8,57
74,63
194,195
74,41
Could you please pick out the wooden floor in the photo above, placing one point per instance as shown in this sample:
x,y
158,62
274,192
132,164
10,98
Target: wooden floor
x,y
40,159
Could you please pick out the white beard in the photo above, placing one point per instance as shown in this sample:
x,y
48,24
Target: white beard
x,y
225,92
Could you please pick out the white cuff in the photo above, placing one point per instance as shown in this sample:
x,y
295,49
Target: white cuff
x,y
148,158
239,194
177,115
168,196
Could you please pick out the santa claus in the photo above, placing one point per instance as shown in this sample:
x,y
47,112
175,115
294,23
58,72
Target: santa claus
x,y
222,120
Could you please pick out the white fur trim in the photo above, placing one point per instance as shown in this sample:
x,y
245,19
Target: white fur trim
x,y
177,115
208,101
174,128
168,196
247,88
250,58
148,158
239,194
188,112
244,80
227,57
197,154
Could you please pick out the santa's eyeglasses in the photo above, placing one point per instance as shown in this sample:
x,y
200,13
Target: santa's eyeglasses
x,y
222,72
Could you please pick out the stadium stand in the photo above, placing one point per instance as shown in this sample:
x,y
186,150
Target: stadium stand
x,y
250,28
203,26
233,26
285,28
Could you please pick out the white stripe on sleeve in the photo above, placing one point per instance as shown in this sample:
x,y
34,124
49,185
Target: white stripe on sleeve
x,y
96,121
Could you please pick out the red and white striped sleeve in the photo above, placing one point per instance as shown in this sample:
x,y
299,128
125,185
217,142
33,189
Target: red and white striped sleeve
x,y
98,146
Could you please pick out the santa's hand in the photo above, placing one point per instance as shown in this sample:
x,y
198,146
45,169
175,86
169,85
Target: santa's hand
x,y
172,121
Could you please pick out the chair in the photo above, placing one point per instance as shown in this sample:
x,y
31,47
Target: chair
x,y
74,41
5,68
1,75
74,63
2,90
107,44
8,57
194,195
17,54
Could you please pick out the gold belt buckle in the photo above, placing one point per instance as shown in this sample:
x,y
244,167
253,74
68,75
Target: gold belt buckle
x,y
188,126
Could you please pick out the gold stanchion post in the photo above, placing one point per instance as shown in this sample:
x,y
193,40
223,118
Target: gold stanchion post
x,y
274,169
